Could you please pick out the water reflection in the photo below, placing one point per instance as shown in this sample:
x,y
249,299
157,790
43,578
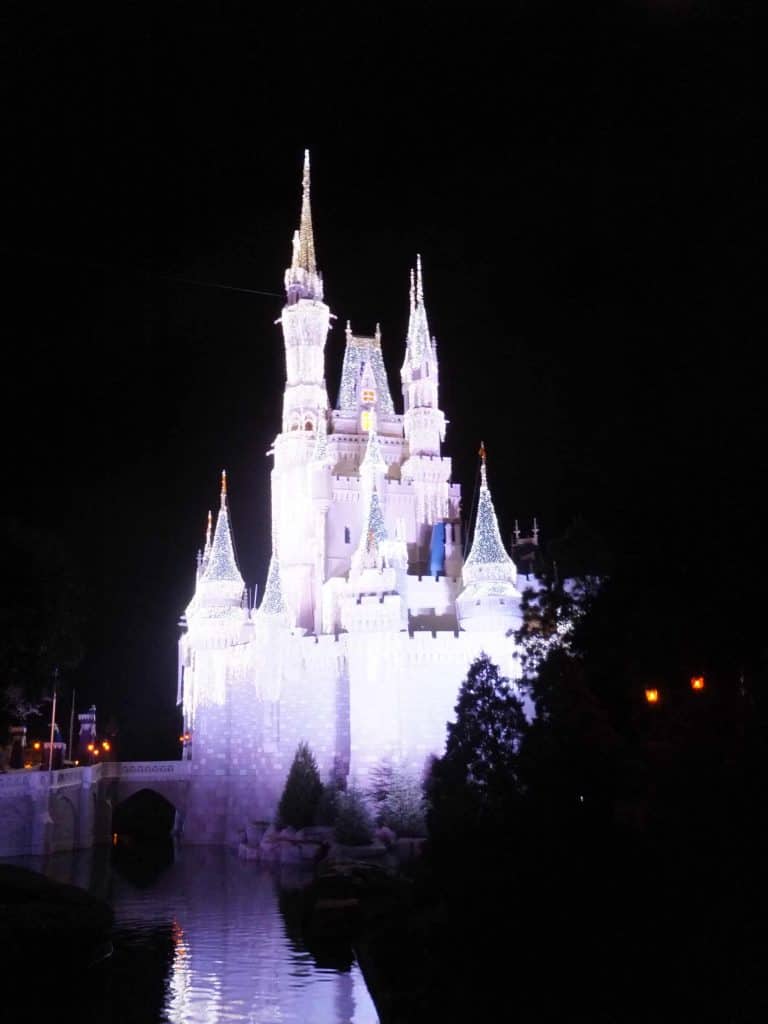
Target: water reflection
x,y
201,939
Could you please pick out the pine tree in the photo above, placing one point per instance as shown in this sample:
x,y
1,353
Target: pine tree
x,y
302,792
477,781
483,741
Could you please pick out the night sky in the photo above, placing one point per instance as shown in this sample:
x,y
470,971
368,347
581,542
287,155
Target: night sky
x,y
582,189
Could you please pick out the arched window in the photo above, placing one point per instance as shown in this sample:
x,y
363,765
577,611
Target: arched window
x,y
309,425
346,535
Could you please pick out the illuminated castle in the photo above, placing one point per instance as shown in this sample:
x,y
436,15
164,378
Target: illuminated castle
x,y
370,616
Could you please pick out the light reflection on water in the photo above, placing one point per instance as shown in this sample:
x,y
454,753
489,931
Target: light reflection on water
x,y
210,927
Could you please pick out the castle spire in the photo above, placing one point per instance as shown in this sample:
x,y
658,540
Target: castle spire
x,y
222,565
302,278
305,256
205,554
488,560
273,601
418,344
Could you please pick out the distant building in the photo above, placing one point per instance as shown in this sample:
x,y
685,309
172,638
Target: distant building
x,y
370,616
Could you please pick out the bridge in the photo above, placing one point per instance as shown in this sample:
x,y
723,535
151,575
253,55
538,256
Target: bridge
x,y
47,812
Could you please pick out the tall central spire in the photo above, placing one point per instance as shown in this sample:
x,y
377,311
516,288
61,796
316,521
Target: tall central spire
x,y
302,278
305,256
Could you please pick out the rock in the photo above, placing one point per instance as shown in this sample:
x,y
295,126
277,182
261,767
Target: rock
x,y
255,832
385,835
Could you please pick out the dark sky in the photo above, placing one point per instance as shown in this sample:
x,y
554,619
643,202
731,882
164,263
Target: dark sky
x,y
582,188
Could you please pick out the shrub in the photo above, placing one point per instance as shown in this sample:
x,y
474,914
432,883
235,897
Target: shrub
x,y
303,790
354,824
398,800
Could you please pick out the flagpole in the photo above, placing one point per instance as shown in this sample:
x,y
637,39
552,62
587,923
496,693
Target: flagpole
x,y
71,725
53,720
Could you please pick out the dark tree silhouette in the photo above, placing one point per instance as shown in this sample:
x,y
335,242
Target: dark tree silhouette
x,y
303,789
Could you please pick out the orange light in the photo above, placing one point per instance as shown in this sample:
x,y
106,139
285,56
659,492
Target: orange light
x,y
90,748
697,682
652,695
36,745
186,736
106,745
96,753
181,739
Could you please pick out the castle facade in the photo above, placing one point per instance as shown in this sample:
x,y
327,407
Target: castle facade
x,y
370,615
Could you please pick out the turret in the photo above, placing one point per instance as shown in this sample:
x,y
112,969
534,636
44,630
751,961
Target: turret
x,y
364,396
220,590
490,599
424,422
305,320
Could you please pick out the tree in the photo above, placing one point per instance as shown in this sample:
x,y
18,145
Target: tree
x,y
303,790
354,824
398,799
476,782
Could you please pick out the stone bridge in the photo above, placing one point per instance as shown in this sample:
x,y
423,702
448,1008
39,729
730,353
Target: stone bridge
x,y
47,812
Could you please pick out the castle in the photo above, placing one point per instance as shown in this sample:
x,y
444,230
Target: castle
x,y
371,615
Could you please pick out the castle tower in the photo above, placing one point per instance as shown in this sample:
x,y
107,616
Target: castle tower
x,y
305,320
424,423
490,599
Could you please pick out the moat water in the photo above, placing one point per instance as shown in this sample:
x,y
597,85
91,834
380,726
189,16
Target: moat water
x,y
202,937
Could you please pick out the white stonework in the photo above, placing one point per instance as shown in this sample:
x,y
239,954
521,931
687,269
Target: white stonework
x,y
367,626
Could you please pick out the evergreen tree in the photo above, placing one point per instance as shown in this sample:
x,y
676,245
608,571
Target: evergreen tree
x,y
354,824
476,782
303,790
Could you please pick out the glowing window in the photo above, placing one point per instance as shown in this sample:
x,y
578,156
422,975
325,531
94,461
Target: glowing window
x,y
369,396
367,420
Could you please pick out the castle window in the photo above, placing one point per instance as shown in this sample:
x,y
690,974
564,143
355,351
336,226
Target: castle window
x,y
308,425
346,535
367,420
369,396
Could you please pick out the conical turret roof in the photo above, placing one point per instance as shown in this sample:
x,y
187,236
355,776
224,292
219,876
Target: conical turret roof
x,y
488,560
221,564
273,601
418,345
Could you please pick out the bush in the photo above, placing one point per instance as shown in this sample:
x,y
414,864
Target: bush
x,y
398,799
354,824
328,805
303,790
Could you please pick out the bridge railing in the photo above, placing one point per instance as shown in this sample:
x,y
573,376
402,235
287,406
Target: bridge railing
x,y
30,780
166,770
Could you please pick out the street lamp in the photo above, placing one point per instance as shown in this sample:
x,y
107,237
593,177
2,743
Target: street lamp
x,y
697,683
652,695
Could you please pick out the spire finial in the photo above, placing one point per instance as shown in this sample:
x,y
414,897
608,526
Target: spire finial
x,y
209,529
482,454
413,291
419,282
349,326
223,488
